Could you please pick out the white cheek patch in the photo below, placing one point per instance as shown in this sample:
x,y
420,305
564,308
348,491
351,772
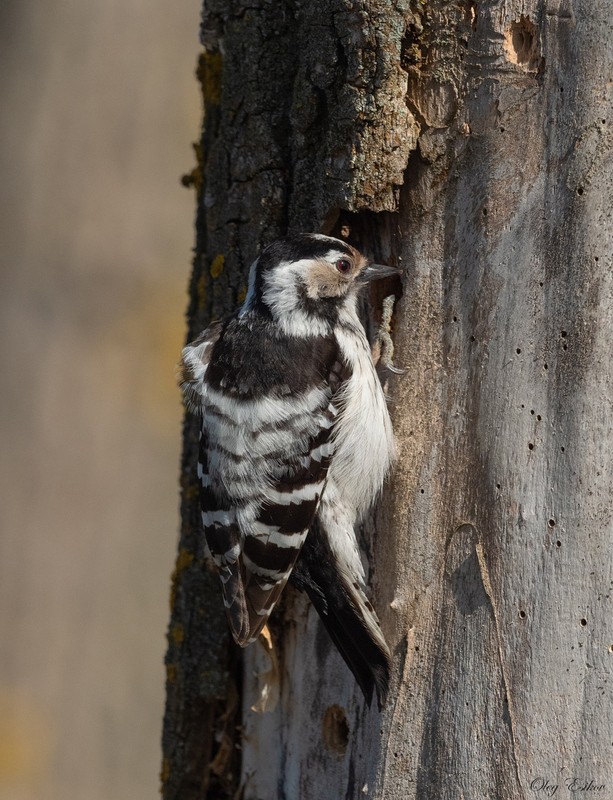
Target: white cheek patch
x,y
283,287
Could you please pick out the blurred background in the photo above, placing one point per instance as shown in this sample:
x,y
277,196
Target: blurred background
x,y
99,107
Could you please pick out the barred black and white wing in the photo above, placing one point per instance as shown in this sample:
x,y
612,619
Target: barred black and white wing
x,y
194,364
269,416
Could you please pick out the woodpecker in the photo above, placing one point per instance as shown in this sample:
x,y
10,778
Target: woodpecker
x,y
295,443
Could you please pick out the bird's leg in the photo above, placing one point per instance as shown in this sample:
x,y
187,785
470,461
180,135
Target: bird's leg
x,y
383,346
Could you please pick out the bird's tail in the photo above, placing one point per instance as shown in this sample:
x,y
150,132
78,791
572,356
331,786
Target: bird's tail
x,y
346,613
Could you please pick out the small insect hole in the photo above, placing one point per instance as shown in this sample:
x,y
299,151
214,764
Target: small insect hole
x,y
530,446
552,523
580,190
545,366
538,417
562,449
518,350
583,622
532,411
558,543
522,615
335,729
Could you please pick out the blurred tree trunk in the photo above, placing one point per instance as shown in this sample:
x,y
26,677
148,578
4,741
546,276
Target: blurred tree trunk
x,y
469,142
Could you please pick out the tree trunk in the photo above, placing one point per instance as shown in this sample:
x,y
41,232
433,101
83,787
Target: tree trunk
x,y
469,142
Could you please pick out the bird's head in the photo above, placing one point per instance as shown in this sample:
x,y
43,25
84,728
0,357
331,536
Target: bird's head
x,y
304,281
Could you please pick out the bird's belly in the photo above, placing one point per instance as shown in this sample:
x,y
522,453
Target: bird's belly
x,y
364,439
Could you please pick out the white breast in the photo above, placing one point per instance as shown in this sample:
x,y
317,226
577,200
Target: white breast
x,y
364,438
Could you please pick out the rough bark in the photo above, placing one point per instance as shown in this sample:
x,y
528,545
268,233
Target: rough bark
x,y
469,142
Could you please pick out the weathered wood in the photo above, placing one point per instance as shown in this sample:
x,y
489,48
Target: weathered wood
x,y
491,548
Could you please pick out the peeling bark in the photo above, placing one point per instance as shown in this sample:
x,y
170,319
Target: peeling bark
x,y
471,143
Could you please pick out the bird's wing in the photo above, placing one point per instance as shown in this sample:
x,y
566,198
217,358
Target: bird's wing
x,y
281,522
218,516
194,365
264,455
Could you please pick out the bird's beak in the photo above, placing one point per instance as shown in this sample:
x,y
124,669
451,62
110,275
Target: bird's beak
x,y
374,272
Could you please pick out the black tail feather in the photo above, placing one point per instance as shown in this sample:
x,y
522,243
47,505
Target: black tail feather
x,y
346,615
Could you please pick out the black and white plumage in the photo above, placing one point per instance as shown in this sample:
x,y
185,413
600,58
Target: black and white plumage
x,y
296,442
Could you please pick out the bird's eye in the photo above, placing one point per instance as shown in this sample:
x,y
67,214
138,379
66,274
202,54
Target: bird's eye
x,y
343,265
